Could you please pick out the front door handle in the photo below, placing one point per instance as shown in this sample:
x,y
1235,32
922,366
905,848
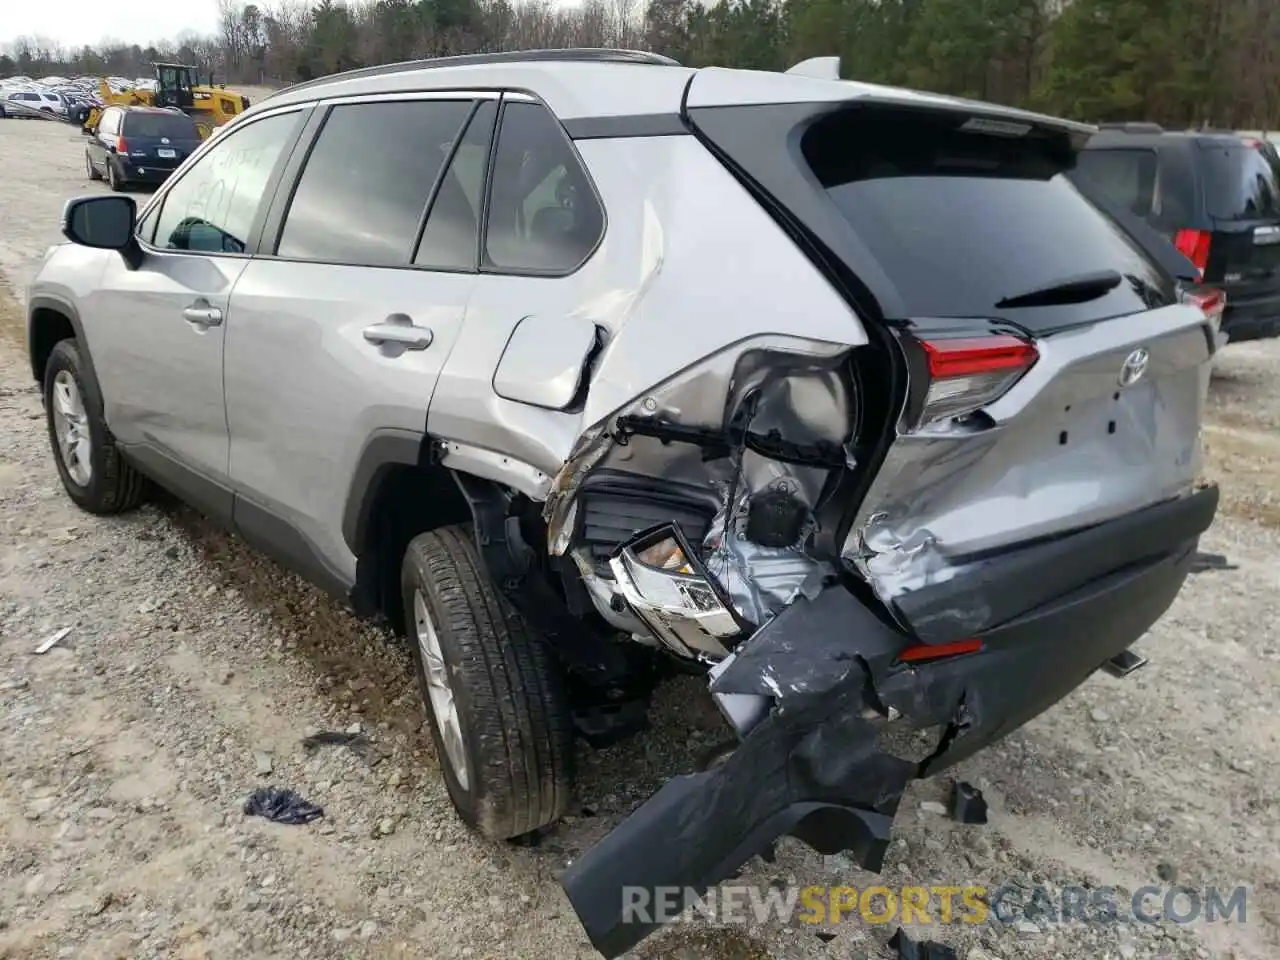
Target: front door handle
x,y
202,314
404,334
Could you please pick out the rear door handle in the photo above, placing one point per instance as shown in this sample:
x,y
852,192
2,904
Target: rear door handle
x,y
202,314
405,334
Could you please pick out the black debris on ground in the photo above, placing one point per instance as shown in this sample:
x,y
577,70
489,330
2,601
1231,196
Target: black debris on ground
x,y
967,803
1203,562
336,738
357,743
908,949
281,806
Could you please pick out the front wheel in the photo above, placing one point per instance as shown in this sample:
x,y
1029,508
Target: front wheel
x,y
495,696
93,473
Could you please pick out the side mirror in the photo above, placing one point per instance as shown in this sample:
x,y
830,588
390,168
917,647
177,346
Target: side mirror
x,y
104,223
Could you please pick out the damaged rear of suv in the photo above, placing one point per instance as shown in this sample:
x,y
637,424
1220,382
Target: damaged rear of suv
x,y
892,554
839,396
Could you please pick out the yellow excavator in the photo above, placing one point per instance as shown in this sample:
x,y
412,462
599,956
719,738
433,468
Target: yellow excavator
x,y
178,88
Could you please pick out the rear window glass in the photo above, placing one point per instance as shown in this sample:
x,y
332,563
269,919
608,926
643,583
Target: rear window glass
x,y
1242,182
173,126
961,220
1125,177
1151,185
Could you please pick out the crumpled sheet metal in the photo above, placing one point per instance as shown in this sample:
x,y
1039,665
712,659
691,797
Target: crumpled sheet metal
x,y
759,581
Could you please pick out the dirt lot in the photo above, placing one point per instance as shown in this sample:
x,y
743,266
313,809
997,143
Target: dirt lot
x,y
194,667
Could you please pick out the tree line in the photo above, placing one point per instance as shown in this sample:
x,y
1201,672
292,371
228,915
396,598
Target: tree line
x,y
1182,63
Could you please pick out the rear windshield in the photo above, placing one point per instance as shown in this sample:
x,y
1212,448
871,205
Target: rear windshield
x,y
171,125
960,220
1242,182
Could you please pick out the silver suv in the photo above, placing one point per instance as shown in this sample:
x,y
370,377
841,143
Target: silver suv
x,y
581,367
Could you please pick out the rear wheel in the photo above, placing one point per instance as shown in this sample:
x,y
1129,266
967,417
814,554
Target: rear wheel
x,y
92,471
114,180
90,169
495,696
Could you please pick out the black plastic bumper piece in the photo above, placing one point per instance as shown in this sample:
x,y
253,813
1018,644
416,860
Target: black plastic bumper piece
x,y
818,767
812,771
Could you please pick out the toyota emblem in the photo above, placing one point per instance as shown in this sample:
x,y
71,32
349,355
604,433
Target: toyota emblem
x,y
1134,366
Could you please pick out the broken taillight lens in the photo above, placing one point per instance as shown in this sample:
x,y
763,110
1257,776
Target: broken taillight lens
x,y
1212,303
966,374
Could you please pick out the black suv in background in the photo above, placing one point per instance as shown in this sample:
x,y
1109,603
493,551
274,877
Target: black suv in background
x,y
1216,195
139,145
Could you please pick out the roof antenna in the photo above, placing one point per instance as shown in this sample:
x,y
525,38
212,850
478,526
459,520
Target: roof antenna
x,y
820,68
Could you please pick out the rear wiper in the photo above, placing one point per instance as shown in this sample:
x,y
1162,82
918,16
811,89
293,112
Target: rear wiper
x,y
1078,289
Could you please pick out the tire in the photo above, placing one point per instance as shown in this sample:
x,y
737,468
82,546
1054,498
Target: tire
x,y
90,168
516,736
113,178
112,485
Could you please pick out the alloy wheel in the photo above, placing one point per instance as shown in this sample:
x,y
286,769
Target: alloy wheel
x,y
71,427
440,690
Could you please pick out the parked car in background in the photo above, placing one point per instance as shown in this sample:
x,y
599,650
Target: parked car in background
x,y
43,100
1215,195
139,145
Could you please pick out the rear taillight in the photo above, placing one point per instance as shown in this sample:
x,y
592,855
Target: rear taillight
x,y
122,145
1212,303
968,373
1194,245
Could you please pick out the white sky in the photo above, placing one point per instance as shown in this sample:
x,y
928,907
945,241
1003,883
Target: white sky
x,y
74,23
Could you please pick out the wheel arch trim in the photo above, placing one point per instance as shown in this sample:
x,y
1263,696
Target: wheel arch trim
x,y
60,305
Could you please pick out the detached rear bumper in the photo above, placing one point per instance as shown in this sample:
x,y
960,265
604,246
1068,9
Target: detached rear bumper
x,y
822,765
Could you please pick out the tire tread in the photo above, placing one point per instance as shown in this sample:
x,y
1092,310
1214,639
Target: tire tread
x,y
521,723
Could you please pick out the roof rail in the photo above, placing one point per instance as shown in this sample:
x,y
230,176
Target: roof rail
x,y
1133,126
565,55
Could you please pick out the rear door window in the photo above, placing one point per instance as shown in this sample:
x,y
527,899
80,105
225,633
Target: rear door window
x,y
1242,182
960,219
366,184
451,237
544,216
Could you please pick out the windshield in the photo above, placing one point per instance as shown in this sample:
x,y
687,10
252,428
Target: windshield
x,y
961,220
172,125
1242,181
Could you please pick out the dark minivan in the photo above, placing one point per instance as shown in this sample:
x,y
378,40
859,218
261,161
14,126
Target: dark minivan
x,y
139,145
1216,195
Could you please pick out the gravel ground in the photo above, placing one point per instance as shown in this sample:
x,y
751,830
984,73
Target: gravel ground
x,y
194,667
